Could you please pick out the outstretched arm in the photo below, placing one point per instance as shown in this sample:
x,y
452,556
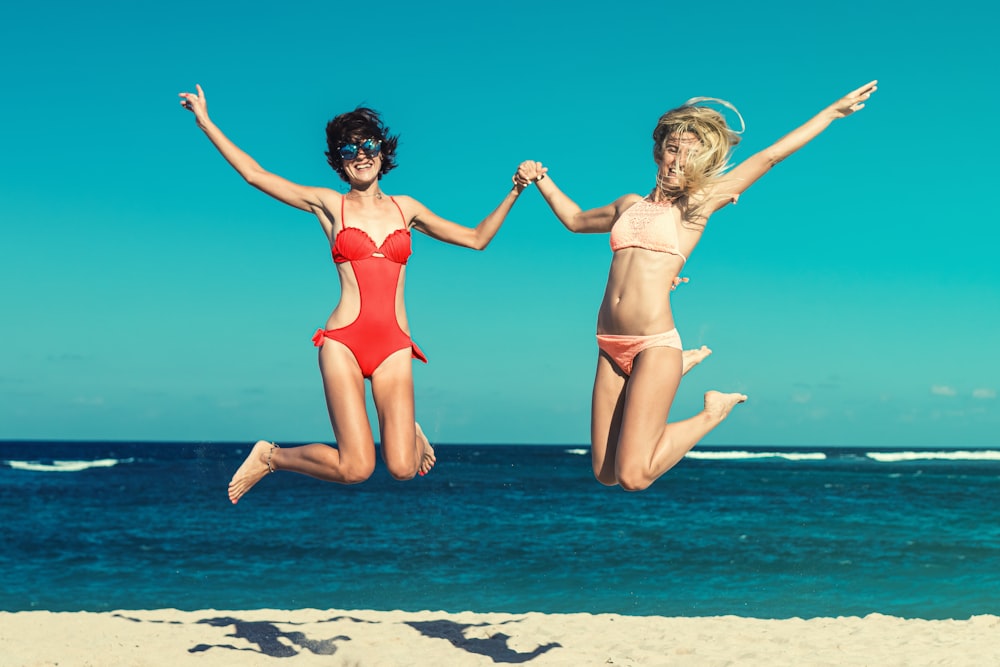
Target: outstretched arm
x,y
293,194
747,172
478,237
575,219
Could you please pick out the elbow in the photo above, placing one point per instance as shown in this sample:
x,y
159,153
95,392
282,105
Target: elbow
x,y
772,157
253,177
479,239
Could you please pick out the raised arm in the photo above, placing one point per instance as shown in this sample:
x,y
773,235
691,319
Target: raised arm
x,y
293,194
747,172
477,238
569,213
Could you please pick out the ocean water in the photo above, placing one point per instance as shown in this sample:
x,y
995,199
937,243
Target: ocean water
x,y
767,533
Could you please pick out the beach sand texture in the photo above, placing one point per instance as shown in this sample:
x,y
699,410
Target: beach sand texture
x,y
336,638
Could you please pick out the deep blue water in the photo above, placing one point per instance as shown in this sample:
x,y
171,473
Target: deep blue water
x,y
770,533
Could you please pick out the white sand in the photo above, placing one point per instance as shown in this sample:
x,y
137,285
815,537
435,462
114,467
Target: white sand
x,y
334,638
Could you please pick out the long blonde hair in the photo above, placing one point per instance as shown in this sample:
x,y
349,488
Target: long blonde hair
x,y
705,164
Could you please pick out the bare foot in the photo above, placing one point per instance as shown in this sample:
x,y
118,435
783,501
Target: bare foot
x,y
718,405
252,471
694,357
428,459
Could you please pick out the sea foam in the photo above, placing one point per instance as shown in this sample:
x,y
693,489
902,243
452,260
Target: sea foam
x,y
61,466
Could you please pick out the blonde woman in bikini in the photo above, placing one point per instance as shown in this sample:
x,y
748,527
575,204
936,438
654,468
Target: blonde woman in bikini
x,y
640,360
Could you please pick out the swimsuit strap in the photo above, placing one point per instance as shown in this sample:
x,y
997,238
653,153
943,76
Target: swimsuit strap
x,y
343,221
401,216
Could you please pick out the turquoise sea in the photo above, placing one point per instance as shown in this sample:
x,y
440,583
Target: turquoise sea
x,y
762,532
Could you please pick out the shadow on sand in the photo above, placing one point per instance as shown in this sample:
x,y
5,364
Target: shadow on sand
x,y
272,641
266,635
494,647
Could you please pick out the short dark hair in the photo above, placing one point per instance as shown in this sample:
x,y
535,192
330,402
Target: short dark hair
x,y
356,126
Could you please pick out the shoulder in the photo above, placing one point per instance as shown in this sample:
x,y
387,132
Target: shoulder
x,y
405,200
327,194
325,198
410,207
626,202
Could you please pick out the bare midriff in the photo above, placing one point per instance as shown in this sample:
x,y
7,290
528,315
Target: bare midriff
x,y
637,298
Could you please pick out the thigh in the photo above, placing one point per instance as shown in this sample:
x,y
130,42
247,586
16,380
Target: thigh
x,y
344,387
392,391
656,374
605,418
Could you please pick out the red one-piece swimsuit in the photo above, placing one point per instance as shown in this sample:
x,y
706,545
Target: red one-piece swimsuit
x,y
376,333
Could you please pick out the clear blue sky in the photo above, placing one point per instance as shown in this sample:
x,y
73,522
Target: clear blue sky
x,y
148,293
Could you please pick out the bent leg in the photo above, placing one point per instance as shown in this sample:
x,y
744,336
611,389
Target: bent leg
x,y
648,445
607,404
405,449
351,462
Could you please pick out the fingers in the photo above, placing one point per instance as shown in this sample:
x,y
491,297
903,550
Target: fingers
x,y
855,100
528,172
863,93
527,169
194,101
869,88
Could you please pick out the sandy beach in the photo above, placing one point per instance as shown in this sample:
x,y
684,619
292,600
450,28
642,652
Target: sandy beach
x,y
439,639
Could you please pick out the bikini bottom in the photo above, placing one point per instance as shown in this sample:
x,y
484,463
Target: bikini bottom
x,y
623,349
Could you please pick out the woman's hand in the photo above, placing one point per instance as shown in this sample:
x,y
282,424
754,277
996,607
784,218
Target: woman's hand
x,y
528,172
196,104
854,100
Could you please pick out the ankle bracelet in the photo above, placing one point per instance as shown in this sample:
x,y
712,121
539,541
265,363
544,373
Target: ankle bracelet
x,y
269,455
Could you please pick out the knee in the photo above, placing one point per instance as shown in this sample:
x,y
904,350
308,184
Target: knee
x,y
401,465
355,474
402,471
634,480
605,477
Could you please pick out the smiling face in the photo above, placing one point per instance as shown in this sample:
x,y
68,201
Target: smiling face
x,y
691,146
366,164
360,148
674,155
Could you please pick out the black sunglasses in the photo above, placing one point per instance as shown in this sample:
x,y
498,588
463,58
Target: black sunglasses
x,y
371,147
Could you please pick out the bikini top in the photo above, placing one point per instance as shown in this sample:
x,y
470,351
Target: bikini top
x,y
354,243
647,225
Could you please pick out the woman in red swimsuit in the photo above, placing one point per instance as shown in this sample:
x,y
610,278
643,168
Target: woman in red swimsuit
x,y
640,360
366,336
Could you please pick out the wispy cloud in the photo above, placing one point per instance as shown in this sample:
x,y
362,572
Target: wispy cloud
x,y
942,390
984,393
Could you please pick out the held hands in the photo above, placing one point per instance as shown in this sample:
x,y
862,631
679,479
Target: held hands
x,y
197,104
528,172
854,100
